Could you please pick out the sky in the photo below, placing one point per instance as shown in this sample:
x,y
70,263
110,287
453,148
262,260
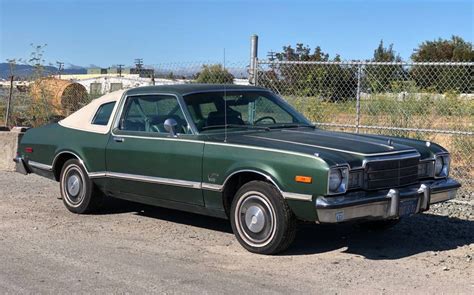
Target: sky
x,y
108,32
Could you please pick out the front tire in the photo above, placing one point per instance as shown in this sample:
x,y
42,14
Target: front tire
x,y
77,190
261,219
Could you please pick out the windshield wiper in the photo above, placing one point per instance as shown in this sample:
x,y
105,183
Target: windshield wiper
x,y
292,125
235,126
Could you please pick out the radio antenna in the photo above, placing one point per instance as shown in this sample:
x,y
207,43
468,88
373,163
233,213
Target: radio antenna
x,y
225,105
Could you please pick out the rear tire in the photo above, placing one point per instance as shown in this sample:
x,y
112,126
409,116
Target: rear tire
x,y
261,219
77,190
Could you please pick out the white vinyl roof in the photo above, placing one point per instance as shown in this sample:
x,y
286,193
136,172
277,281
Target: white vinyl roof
x,y
82,119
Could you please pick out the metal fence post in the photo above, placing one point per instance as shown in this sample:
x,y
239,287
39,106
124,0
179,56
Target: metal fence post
x,y
9,103
359,70
253,59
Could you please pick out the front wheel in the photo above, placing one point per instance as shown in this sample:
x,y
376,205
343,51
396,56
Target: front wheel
x,y
261,219
77,190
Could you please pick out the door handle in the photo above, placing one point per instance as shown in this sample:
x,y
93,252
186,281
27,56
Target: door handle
x,y
119,139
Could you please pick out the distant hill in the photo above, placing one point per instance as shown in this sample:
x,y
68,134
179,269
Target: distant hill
x,y
25,71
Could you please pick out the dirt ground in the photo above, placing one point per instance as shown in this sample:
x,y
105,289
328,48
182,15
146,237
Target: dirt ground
x,y
132,248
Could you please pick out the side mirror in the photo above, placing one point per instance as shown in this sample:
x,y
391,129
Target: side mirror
x,y
170,126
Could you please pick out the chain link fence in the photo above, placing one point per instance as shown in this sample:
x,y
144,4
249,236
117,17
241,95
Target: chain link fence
x,y
428,101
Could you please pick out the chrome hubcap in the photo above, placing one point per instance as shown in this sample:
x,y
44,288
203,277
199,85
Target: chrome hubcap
x,y
254,219
73,185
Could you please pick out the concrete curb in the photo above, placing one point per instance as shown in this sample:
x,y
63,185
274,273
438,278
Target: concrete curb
x,y
9,142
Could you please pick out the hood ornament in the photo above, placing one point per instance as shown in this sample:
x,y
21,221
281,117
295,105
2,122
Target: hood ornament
x,y
390,142
428,144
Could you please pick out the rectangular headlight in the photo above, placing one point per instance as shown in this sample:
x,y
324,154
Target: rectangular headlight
x,y
338,179
441,166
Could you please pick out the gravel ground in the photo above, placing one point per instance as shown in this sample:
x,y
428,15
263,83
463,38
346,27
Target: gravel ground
x,y
141,249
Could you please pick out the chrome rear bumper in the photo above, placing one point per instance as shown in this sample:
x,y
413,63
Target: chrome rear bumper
x,y
20,166
384,204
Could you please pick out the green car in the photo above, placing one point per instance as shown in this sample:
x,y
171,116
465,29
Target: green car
x,y
236,152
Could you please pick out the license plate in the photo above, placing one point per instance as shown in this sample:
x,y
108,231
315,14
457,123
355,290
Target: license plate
x,y
407,207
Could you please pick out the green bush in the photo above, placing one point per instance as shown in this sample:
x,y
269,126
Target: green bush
x,y
214,74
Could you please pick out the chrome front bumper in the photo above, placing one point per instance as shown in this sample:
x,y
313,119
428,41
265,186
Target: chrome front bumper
x,y
384,204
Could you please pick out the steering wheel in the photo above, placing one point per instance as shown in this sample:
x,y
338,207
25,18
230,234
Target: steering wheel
x,y
265,118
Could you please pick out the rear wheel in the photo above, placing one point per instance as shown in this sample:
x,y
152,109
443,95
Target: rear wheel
x,y
261,219
77,190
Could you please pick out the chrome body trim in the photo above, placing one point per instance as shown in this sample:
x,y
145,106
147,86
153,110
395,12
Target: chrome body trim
x,y
253,171
40,165
152,179
298,197
333,149
384,204
98,174
212,187
72,153
192,184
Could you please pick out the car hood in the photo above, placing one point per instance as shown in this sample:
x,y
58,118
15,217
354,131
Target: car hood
x,y
333,147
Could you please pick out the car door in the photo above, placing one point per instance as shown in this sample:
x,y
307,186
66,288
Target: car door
x,y
145,161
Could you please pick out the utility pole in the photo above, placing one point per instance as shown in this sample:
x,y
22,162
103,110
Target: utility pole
x,y
12,63
119,70
139,65
271,57
60,68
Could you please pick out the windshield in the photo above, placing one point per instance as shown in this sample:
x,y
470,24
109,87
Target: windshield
x,y
241,109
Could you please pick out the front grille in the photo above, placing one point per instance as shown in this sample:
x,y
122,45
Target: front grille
x,y
391,173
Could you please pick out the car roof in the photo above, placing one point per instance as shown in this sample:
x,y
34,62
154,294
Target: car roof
x,y
183,89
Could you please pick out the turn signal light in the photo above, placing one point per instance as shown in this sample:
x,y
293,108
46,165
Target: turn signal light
x,y
303,179
28,149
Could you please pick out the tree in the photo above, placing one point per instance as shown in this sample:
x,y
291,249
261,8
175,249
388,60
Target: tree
x,y
385,54
442,50
381,77
214,74
325,81
443,78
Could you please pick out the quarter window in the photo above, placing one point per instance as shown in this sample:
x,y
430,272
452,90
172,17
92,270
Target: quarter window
x,y
102,115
